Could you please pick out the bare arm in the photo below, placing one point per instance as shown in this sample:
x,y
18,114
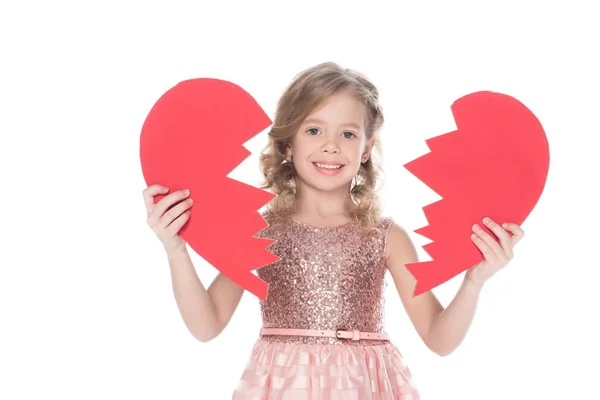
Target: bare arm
x,y
442,330
450,327
205,312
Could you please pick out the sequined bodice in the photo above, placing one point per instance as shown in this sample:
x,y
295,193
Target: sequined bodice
x,y
327,278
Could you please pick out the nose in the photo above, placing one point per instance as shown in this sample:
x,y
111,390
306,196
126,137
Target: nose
x,y
331,146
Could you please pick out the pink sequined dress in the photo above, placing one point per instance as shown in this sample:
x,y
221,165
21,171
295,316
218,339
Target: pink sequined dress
x,y
327,278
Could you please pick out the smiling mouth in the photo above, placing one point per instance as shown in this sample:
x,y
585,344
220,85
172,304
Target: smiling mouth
x,y
328,169
328,166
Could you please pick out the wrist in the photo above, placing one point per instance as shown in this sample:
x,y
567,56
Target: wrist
x,y
473,283
177,250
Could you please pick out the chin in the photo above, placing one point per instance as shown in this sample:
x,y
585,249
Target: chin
x,y
330,186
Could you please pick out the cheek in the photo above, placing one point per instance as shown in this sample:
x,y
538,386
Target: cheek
x,y
304,148
301,152
353,151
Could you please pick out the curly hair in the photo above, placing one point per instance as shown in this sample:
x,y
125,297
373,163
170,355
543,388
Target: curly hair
x,y
307,91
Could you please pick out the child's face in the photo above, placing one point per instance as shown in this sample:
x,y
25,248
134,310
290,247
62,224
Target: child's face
x,y
333,134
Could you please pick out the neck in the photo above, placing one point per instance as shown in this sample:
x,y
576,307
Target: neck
x,y
315,204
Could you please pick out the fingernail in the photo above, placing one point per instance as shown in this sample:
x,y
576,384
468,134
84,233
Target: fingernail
x,y
505,225
486,220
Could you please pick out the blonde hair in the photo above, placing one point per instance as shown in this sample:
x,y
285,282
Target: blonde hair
x,y
308,90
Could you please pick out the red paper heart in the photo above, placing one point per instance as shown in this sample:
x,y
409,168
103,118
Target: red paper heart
x,y
494,165
193,138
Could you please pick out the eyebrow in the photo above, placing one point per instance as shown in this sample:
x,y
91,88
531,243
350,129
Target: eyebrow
x,y
319,121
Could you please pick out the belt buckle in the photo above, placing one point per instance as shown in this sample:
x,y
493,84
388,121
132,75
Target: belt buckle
x,y
337,334
355,334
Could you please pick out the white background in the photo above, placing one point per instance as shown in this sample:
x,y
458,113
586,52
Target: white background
x,y
87,310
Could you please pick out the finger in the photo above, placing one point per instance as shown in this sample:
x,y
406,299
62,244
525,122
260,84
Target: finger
x,y
167,202
489,240
502,235
152,191
175,212
516,230
174,228
485,249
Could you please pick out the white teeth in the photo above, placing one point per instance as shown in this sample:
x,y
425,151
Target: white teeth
x,y
328,166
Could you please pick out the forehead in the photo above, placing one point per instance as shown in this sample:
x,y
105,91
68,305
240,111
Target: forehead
x,y
340,109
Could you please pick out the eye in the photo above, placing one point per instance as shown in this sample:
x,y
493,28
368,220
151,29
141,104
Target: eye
x,y
350,133
312,129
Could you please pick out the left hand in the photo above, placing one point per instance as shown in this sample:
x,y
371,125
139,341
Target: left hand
x,y
497,255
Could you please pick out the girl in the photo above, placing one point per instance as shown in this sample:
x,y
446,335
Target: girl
x,y
323,335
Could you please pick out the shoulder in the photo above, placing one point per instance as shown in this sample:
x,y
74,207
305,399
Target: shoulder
x,y
267,224
398,241
269,216
385,222
271,224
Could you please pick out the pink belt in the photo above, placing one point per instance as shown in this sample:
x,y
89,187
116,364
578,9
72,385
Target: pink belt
x,y
337,334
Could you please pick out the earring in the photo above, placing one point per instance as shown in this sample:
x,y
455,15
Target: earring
x,y
289,160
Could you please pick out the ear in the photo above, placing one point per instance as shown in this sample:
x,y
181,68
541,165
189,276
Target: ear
x,y
288,150
367,153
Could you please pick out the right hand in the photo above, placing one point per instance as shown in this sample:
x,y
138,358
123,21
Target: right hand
x,y
166,217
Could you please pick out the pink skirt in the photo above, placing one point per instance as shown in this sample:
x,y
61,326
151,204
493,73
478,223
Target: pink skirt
x,y
299,371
